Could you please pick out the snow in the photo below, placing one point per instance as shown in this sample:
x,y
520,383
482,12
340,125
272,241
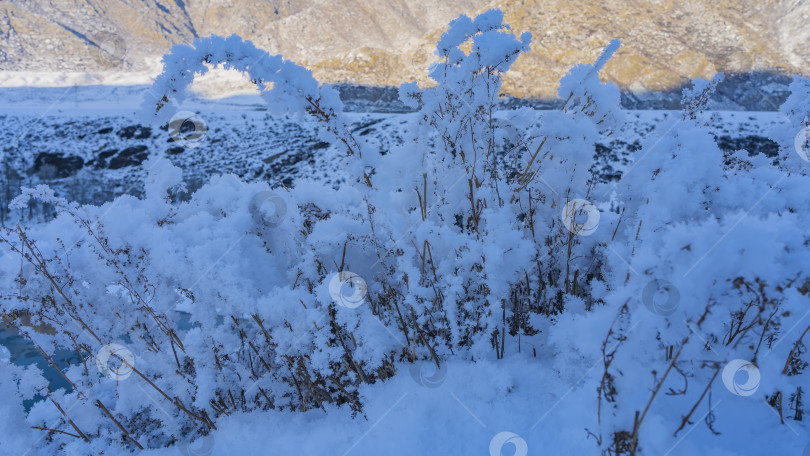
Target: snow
x,y
473,286
465,413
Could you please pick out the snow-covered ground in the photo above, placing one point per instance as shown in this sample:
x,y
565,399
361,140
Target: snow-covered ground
x,y
96,129
460,411
540,403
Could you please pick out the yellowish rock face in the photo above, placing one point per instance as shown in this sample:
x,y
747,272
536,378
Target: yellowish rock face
x,y
665,42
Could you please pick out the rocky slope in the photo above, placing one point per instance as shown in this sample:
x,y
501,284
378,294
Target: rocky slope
x,y
666,42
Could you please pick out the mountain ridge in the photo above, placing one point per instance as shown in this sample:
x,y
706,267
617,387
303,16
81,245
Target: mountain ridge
x,y
384,43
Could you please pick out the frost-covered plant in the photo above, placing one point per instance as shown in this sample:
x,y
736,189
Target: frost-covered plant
x,y
495,178
215,306
287,88
478,232
705,294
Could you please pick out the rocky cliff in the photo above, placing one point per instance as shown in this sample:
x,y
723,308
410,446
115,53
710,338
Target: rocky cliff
x,y
665,42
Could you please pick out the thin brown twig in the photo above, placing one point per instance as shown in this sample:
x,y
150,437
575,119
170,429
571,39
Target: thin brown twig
x,y
126,433
685,419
